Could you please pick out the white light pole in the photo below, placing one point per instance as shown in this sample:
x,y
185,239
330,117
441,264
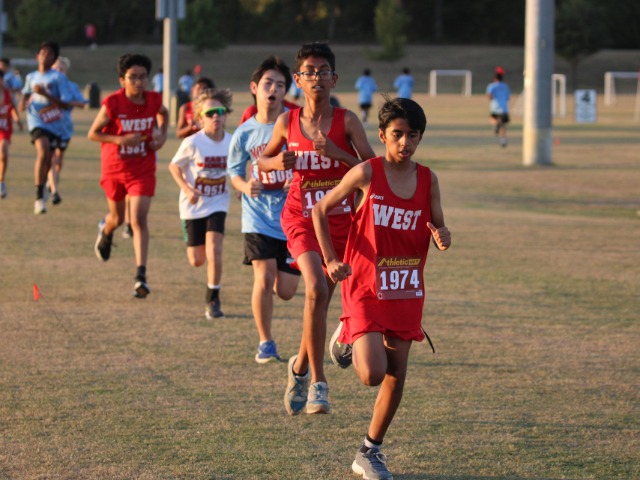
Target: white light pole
x,y
170,11
538,70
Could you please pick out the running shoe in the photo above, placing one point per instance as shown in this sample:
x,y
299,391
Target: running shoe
x,y
141,288
3,190
127,232
40,207
371,465
103,243
56,198
318,398
267,352
214,309
340,352
295,396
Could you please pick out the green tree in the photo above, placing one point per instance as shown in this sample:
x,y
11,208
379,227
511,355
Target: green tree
x,y
39,20
580,31
390,23
201,28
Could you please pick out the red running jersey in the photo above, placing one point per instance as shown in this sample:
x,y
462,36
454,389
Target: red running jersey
x,y
6,120
387,250
313,176
128,117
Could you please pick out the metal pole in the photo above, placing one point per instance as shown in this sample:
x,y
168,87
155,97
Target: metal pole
x,y
169,61
539,53
3,25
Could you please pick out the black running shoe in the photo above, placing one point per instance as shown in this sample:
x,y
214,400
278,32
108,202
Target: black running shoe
x,y
340,352
141,288
56,198
214,309
103,243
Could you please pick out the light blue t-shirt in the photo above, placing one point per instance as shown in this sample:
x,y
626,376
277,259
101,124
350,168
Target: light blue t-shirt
x,y
41,113
260,214
500,94
158,82
12,81
366,87
404,85
76,96
185,83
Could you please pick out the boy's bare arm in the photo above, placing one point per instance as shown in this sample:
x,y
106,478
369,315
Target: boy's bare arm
x,y
355,133
272,157
162,118
357,178
439,232
101,121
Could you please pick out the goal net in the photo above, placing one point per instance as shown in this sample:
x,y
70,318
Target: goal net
x,y
465,75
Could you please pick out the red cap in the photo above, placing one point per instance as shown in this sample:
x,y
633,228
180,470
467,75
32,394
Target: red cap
x,y
500,70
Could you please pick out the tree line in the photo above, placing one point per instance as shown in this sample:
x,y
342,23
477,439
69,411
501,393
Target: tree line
x,y
587,25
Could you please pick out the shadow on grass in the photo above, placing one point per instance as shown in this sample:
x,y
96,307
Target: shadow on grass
x,y
466,477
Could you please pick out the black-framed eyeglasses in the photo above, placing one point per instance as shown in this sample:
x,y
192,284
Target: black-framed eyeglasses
x,y
321,74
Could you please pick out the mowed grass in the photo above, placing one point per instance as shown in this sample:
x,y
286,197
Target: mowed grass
x,y
533,311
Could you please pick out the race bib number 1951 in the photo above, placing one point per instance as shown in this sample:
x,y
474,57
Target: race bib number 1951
x,y
398,278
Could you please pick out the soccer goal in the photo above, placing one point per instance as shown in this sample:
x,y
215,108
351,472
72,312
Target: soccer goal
x,y
610,84
465,74
558,97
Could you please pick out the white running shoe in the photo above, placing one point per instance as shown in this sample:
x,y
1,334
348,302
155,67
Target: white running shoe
x,y
40,207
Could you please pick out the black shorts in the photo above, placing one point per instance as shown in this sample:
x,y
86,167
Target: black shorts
x,y
263,247
365,106
503,117
63,144
195,230
54,140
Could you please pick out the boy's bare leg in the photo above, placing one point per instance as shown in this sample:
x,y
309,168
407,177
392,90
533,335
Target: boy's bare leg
x,y
318,293
214,257
139,212
264,277
385,364
43,160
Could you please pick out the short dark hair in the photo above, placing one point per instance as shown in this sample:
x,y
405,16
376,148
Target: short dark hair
x,y
402,108
272,63
128,60
315,49
5,60
366,72
53,46
207,82
406,70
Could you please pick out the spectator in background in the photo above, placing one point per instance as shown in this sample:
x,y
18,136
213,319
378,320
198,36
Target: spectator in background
x,y
404,83
188,124
158,81
90,33
366,87
499,94
185,82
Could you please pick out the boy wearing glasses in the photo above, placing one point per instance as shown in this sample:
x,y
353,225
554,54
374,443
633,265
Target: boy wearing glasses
x,y
131,125
323,142
199,167
263,196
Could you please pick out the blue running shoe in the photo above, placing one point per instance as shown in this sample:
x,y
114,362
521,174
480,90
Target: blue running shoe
x,y
267,352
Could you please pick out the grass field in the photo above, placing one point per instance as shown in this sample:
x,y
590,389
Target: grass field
x,y
533,311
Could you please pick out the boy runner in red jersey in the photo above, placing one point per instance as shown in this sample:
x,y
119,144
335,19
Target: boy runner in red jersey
x,y
397,211
131,125
323,143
